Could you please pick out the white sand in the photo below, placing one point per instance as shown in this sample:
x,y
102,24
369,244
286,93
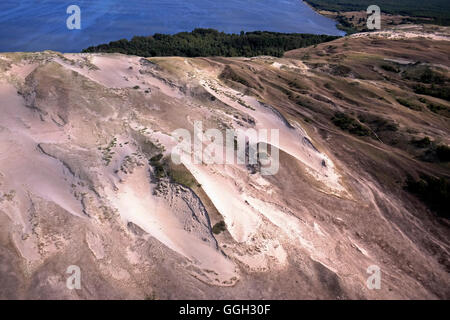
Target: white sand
x,y
291,141
136,204
26,168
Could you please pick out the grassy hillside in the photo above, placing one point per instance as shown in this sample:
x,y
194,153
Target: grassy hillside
x,y
210,42
397,114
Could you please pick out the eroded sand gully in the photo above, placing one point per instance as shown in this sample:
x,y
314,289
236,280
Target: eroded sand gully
x,y
135,203
23,164
292,140
97,161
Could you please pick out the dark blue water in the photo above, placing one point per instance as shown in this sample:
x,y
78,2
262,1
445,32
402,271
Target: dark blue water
x,y
35,25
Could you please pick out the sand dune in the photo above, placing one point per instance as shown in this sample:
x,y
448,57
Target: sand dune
x,y
86,179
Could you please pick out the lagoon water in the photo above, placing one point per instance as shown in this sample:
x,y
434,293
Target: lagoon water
x,y
35,25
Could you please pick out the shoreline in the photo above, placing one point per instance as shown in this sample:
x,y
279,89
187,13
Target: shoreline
x,y
331,15
353,22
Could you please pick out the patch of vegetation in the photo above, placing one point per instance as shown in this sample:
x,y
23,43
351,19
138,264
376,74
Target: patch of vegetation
x,y
443,153
9,196
129,162
433,152
345,25
298,86
349,124
181,175
340,70
378,124
219,227
434,192
183,178
230,74
210,42
409,104
439,109
429,76
390,68
163,168
436,108
158,166
442,92
421,143
107,152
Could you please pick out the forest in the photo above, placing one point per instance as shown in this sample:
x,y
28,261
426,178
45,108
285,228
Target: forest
x,y
210,42
431,11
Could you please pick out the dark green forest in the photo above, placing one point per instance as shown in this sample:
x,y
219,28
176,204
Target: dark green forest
x,y
210,42
438,11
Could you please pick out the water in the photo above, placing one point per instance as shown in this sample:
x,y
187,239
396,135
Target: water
x,y
36,25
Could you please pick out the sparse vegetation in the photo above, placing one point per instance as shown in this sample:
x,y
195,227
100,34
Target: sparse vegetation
x,y
443,153
158,167
378,124
345,25
434,107
340,70
409,104
8,196
390,68
442,92
439,109
107,152
429,76
349,124
164,168
179,174
433,152
230,74
434,192
423,74
219,227
421,143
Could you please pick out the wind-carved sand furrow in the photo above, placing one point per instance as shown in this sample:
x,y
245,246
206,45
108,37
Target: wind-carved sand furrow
x,y
256,245
136,203
292,139
119,72
242,221
25,166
